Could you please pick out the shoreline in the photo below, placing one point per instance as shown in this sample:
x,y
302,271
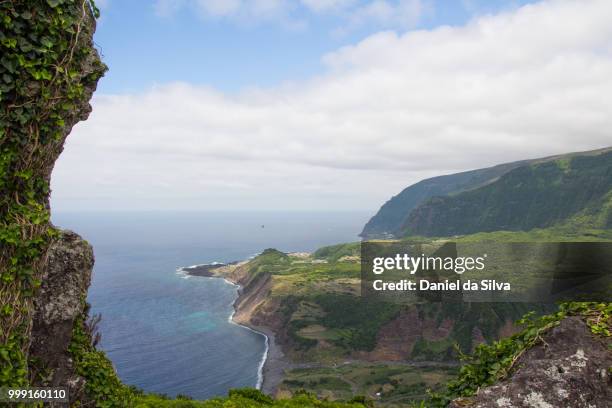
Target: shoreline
x,y
264,357
270,371
272,365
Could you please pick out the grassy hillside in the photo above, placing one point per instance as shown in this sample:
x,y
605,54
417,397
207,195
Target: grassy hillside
x,y
392,218
564,192
391,385
392,215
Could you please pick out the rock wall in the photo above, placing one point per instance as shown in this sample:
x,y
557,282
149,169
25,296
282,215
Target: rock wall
x,y
569,369
58,303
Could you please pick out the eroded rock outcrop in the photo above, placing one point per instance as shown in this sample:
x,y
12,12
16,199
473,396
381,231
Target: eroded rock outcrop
x,y
570,368
58,303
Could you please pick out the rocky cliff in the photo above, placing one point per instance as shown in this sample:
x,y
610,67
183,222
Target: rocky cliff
x,y
59,302
569,368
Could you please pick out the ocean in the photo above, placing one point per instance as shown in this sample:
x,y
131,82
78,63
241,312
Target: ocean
x,y
169,333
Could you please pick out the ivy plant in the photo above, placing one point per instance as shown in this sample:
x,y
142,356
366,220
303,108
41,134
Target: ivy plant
x,y
48,71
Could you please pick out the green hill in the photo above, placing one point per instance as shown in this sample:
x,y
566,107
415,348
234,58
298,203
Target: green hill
x,y
394,212
571,189
394,217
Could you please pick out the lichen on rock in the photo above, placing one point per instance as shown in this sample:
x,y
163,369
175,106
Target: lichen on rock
x,y
57,305
569,368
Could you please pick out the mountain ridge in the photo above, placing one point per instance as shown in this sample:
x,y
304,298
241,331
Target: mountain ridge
x,y
391,219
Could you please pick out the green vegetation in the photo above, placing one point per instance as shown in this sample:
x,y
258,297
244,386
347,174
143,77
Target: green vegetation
x,y
564,233
244,398
327,320
386,384
357,319
269,261
306,272
492,362
48,68
392,215
102,384
334,253
546,194
319,299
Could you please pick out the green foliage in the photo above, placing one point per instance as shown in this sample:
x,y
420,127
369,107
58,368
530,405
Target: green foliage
x,y
539,195
318,272
391,216
334,252
245,398
432,350
598,315
102,384
251,394
269,261
492,362
360,318
355,321
299,342
47,68
397,383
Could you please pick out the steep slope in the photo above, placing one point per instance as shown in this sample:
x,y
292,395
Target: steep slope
x,y
393,213
539,195
393,216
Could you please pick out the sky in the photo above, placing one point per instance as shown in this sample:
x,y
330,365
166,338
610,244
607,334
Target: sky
x,y
329,104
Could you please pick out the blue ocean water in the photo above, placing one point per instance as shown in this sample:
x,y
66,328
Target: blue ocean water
x,y
171,335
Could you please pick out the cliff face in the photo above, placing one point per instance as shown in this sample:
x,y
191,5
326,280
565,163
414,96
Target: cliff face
x,y
539,195
569,369
58,303
434,206
393,214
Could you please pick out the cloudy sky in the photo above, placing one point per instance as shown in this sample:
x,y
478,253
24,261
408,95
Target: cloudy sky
x,y
329,104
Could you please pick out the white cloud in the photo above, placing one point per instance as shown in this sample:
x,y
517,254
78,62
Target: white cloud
x,y
391,110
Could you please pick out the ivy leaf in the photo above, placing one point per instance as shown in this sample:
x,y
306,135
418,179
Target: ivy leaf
x,y
54,3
